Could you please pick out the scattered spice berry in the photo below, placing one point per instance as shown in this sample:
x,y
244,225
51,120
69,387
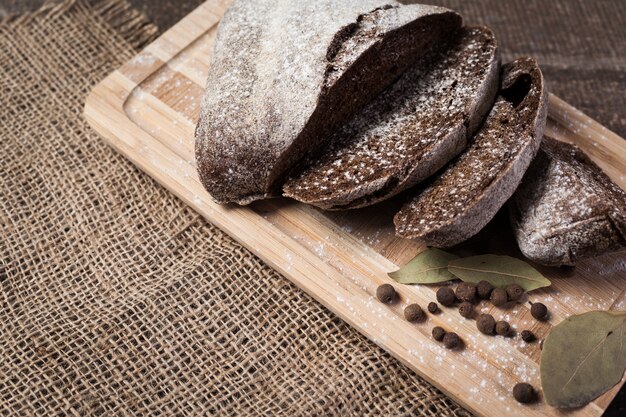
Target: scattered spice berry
x,y
486,323
451,340
484,289
528,336
438,333
433,307
466,291
499,297
524,393
413,312
514,291
539,311
466,309
503,328
445,296
386,294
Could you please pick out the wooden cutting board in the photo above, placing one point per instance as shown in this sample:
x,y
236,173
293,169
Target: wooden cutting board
x,y
147,110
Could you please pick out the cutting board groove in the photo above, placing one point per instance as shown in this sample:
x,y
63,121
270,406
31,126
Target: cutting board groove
x,y
147,111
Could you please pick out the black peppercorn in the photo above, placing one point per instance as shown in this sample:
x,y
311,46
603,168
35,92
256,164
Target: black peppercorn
x,y
514,291
503,328
539,311
528,336
466,309
499,297
386,294
484,289
451,340
433,307
486,323
438,333
524,393
413,312
466,291
446,296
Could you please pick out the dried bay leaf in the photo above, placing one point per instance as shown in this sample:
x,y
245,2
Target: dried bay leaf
x,y
583,357
499,271
428,267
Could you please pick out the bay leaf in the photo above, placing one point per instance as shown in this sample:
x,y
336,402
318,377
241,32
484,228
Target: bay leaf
x,y
583,357
499,271
428,267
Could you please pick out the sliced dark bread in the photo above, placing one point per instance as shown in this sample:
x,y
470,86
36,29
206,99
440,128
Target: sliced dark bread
x,y
566,208
470,191
409,131
286,73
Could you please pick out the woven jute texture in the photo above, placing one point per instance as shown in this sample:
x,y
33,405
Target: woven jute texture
x,y
116,298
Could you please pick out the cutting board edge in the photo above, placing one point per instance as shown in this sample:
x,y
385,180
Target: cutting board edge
x,y
117,105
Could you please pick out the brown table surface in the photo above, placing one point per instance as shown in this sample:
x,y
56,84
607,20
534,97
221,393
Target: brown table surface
x,y
580,44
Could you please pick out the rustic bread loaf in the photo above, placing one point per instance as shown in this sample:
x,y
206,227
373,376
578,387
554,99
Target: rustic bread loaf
x,y
566,208
470,191
409,131
286,73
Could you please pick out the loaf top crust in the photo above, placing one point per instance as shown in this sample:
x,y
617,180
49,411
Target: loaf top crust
x,y
283,71
567,208
409,131
472,188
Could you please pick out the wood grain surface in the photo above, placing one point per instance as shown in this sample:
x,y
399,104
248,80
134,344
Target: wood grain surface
x,y
147,110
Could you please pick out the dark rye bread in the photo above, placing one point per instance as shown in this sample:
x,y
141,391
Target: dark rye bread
x,y
566,208
409,131
470,191
285,73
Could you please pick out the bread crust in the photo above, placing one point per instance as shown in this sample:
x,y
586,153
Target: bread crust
x,y
442,215
409,131
566,208
283,74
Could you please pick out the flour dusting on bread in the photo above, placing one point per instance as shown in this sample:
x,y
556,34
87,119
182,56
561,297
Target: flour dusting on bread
x,y
465,196
566,208
285,74
409,131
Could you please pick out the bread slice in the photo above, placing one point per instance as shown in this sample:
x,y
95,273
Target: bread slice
x,y
408,132
285,73
470,191
566,208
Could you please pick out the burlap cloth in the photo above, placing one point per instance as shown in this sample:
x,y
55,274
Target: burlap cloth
x,y
118,299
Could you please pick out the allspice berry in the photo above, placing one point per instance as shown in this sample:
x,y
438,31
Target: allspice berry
x,y
524,393
433,307
503,328
539,311
514,291
466,309
466,291
528,336
438,333
446,296
483,289
386,294
486,323
451,340
413,312
499,297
